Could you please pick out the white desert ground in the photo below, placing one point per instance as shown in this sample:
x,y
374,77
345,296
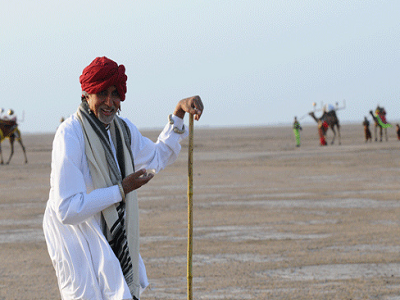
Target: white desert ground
x,y
271,221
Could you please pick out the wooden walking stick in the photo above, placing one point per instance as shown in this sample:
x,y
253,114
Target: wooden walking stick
x,y
190,211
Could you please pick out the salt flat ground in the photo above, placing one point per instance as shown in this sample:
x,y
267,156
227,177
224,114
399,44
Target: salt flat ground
x,y
271,221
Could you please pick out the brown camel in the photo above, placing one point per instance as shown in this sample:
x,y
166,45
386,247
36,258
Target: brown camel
x,y
9,129
331,119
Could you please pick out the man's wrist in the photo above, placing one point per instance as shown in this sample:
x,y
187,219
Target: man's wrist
x,y
180,113
177,123
121,190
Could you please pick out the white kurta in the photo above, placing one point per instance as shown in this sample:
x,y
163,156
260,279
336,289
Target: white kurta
x,y
85,264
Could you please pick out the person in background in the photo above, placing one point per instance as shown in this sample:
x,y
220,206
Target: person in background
x,y
322,128
367,132
11,120
99,160
10,116
296,129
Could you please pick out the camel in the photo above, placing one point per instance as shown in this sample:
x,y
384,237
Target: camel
x,y
9,129
381,122
331,119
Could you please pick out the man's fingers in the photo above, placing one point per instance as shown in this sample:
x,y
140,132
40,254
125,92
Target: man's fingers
x,y
198,103
136,180
146,178
197,107
139,173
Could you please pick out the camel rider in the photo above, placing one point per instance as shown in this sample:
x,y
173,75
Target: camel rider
x,y
296,130
11,118
380,117
328,108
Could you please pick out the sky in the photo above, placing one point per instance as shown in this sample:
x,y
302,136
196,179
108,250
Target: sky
x,y
253,62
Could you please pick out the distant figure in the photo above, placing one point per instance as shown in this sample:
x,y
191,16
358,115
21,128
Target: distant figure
x,y
11,119
398,131
330,119
380,121
322,129
328,108
61,121
10,116
367,132
296,130
9,129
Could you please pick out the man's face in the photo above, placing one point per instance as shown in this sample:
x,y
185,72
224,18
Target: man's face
x,y
105,104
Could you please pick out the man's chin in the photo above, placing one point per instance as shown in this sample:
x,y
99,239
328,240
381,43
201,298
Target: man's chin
x,y
106,119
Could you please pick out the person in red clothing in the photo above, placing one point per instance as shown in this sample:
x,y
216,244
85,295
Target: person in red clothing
x,y
322,128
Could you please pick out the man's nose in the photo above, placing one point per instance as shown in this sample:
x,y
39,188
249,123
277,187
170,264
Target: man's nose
x,y
109,101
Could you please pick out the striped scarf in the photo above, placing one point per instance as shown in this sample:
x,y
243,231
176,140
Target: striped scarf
x,y
121,233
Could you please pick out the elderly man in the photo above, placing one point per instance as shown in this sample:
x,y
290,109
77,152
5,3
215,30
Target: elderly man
x,y
99,160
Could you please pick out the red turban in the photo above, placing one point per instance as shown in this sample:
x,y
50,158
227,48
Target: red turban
x,y
101,74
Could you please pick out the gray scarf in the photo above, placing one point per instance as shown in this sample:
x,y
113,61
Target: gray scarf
x,y
121,233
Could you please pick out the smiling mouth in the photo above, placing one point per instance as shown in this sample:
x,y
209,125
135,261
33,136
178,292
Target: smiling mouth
x,y
108,112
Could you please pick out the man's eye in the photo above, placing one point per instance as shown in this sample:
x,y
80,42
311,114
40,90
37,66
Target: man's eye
x,y
102,93
115,93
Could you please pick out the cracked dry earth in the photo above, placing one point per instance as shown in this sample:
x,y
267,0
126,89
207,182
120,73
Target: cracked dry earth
x,y
271,221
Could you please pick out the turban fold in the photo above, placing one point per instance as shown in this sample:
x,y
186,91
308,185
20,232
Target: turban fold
x,y
101,74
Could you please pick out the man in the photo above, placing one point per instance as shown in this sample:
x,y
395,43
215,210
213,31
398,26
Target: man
x,y
10,120
367,132
11,116
296,131
91,221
